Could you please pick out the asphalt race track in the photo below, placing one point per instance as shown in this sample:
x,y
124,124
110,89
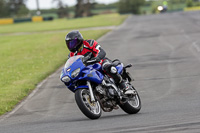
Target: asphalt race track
x,y
165,52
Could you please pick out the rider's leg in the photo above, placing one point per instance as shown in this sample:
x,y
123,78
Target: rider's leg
x,y
112,71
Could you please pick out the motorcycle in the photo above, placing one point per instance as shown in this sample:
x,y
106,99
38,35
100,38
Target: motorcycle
x,y
96,91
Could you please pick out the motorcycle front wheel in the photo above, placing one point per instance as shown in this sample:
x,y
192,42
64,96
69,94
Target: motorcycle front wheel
x,y
133,105
90,109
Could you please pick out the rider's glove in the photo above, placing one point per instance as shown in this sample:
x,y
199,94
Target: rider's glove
x,y
93,60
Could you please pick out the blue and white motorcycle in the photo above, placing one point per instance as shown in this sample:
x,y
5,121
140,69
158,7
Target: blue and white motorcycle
x,y
96,91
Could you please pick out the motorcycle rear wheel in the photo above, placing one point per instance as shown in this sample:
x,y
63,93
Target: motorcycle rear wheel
x,y
90,109
133,105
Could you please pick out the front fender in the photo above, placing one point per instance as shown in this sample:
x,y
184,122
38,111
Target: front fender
x,y
81,86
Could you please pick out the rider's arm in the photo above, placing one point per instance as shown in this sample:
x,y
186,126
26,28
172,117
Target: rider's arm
x,y
97,51
100,52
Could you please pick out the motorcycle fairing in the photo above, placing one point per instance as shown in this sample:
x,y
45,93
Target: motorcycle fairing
x,y
91,73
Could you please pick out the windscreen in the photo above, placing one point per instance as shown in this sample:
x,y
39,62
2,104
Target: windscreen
x,y
72,59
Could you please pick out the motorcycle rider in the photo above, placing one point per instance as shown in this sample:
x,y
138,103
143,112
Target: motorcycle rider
x,y
78,46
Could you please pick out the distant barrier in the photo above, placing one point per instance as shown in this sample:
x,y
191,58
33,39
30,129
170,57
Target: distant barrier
x,y
196,8
20,20
37,19
6,21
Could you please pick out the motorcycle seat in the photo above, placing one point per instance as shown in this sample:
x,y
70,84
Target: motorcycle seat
x,y
116,62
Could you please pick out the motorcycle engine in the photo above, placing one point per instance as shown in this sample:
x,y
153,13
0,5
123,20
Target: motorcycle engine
x,y
106,98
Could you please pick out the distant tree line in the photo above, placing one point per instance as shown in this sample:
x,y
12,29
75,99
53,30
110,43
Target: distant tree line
x,y
84,7
62,10
130,6
13,8
17,8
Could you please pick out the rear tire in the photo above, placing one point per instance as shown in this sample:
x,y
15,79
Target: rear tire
x,y
133,105
90,109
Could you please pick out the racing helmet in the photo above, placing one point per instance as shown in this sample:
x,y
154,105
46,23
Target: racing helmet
x,y
74,40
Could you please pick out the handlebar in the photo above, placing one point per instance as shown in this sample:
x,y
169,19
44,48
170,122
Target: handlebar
x,y
86,57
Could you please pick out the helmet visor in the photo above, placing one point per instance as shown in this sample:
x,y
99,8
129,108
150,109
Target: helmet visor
x,y
71,44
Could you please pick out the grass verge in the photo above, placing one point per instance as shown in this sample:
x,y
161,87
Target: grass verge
x,y
26,60
60,24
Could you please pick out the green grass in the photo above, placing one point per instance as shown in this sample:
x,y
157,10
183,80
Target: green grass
x,y
60,24
28,59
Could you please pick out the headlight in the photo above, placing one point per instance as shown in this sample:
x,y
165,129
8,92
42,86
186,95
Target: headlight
x,y
75,73
66,79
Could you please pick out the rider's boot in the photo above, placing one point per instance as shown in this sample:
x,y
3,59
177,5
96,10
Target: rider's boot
x,y
124,86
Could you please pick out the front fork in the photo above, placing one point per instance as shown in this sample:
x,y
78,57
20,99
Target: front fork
x,y
91,91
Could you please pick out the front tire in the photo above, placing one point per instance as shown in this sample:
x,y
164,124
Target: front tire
x,y
90,109
133,105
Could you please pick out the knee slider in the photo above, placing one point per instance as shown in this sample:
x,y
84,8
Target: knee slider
x,y
113,70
